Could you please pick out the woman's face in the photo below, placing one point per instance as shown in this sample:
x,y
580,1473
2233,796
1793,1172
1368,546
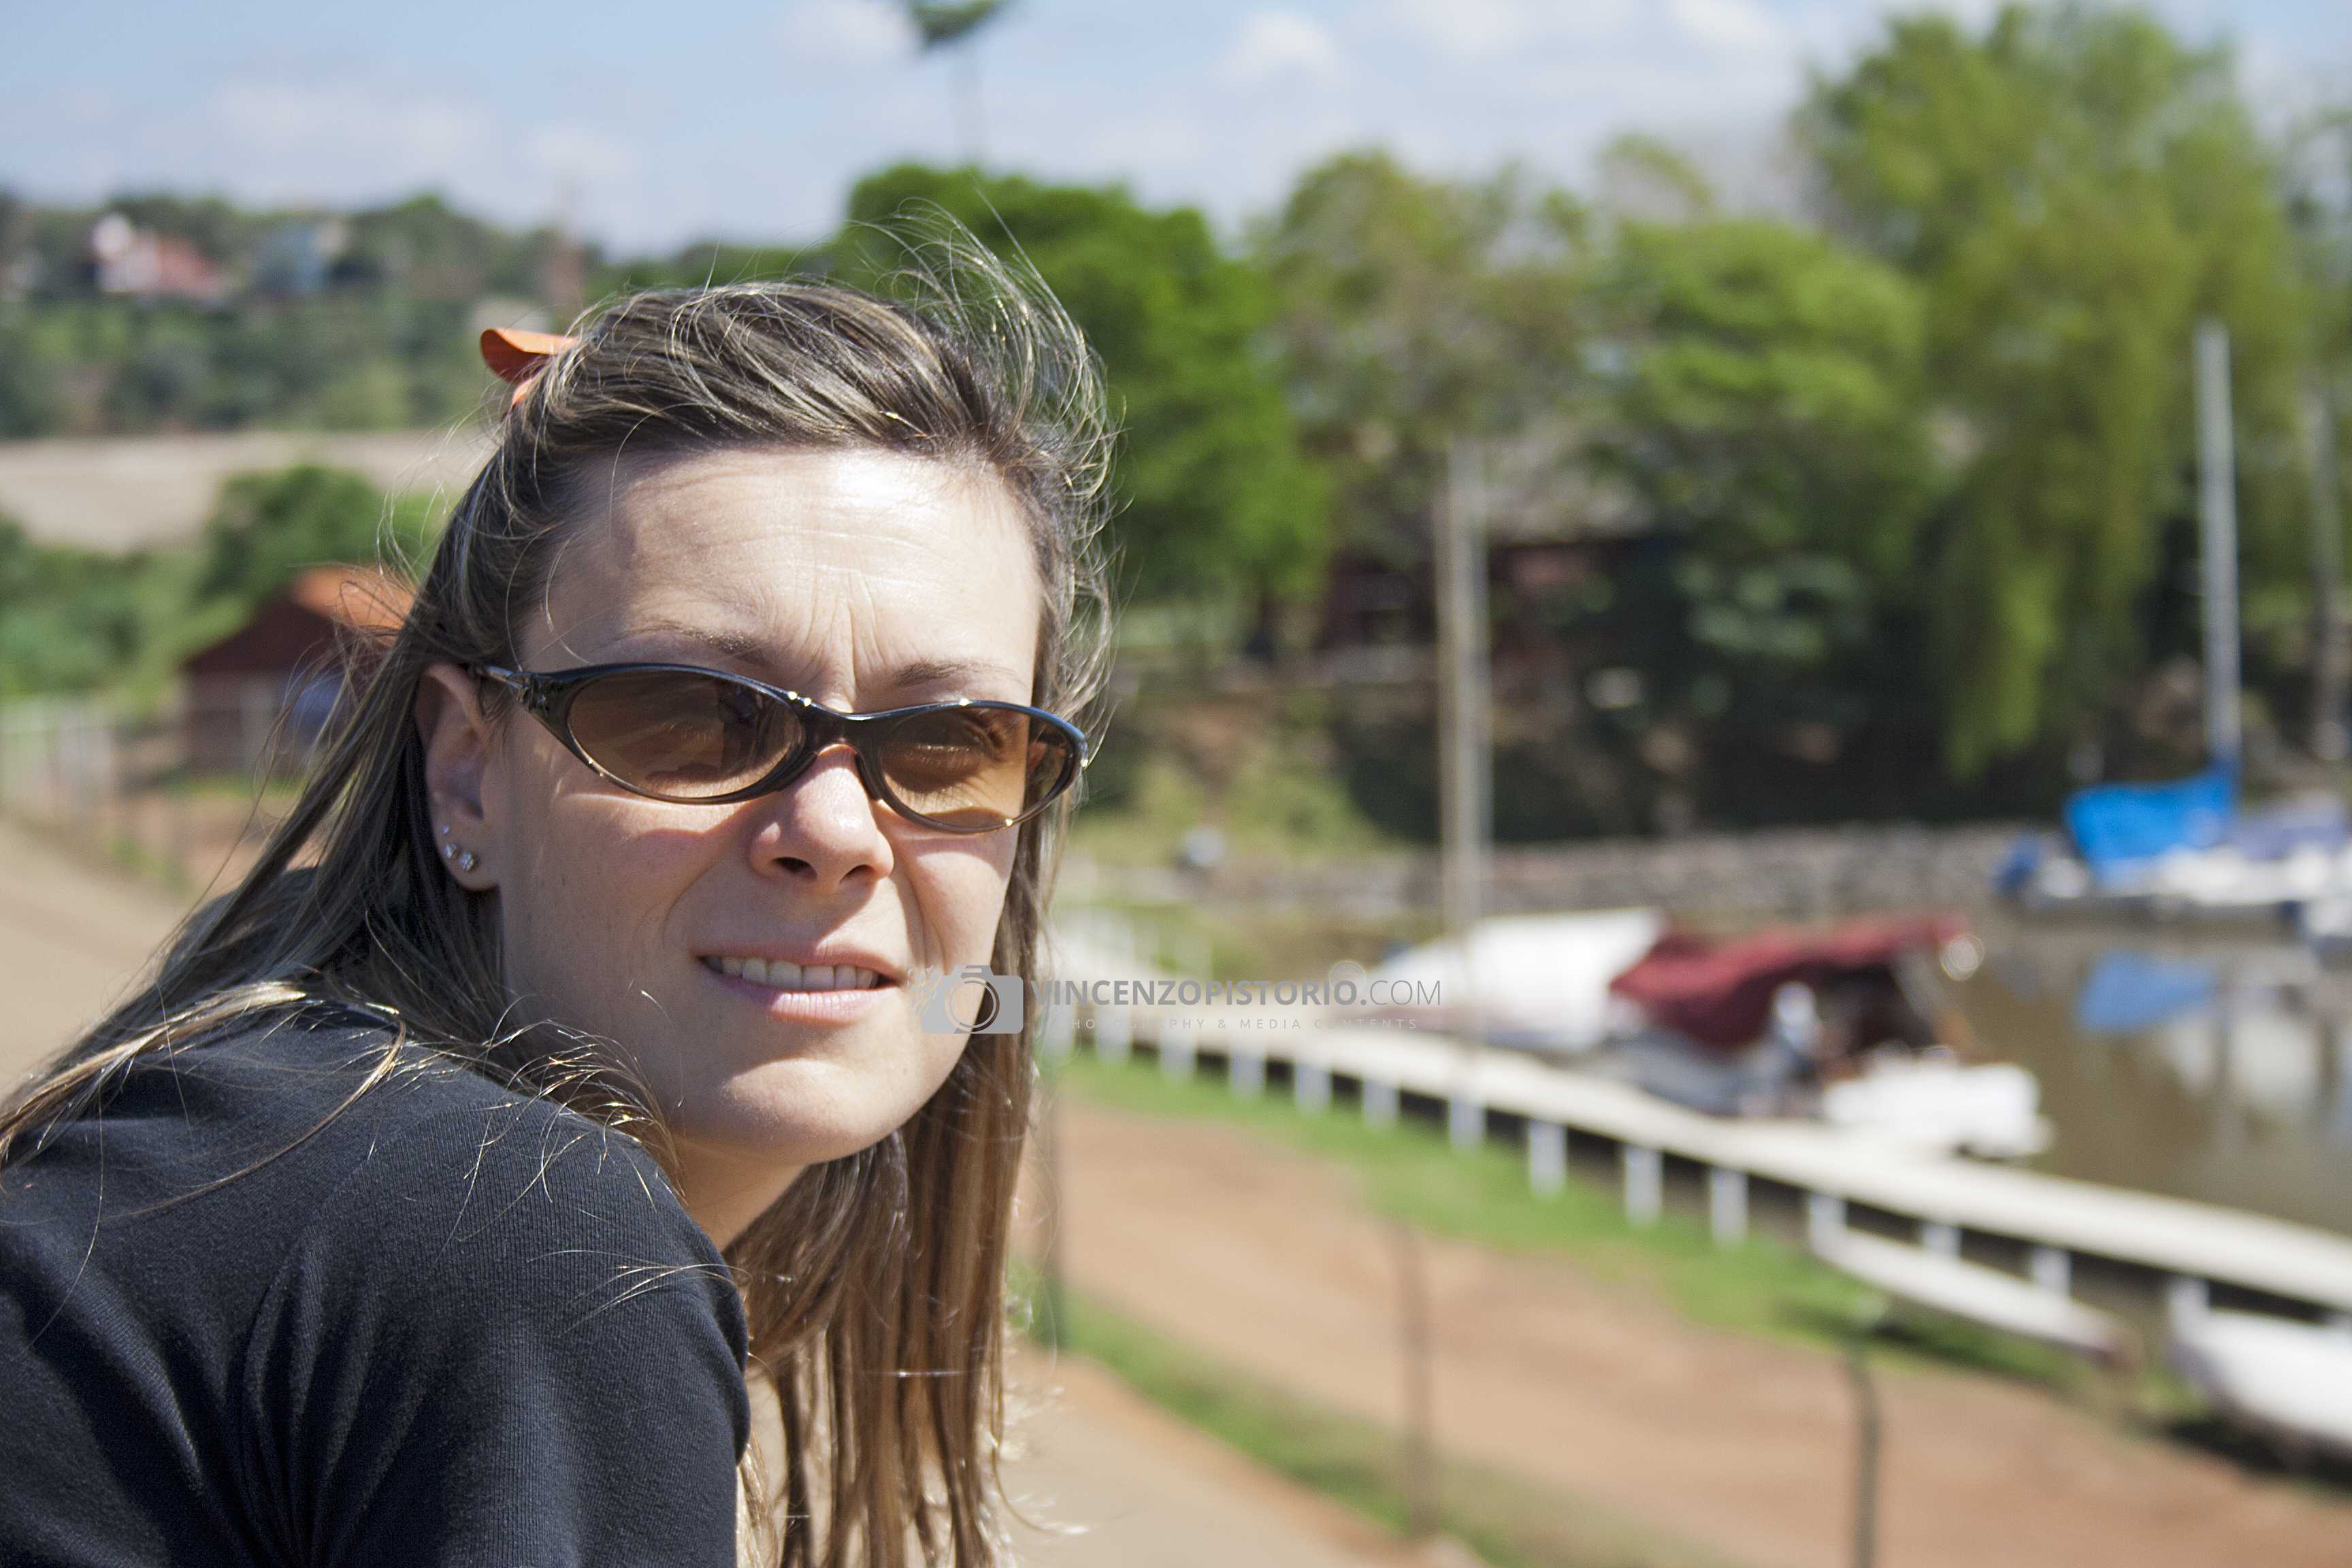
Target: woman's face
x,y
861,579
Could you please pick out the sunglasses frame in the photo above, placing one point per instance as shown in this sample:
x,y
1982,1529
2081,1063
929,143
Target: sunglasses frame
x,y
548,696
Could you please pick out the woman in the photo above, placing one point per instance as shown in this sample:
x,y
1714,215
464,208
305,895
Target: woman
x,y
568,1048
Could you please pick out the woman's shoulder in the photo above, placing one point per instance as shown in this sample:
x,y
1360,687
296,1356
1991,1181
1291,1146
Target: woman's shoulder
x,y
333,1218
498,1311
444,1213
373,1120
326,1131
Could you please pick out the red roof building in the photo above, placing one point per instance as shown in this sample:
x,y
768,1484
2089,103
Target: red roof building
x,y
127,259
264,692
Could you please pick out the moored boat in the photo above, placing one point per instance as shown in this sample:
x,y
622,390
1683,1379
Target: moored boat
x,y
1849,1025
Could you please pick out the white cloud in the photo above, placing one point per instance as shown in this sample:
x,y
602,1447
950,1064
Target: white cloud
x,y
1486,29
1974,14
292,128
1731,26
1281,43
846,32
579,154
332,135
1466,29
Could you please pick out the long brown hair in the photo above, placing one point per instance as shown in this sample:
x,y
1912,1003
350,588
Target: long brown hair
x,y
875,1286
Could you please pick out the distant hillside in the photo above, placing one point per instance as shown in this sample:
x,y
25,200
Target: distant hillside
x,y
115,494
163,313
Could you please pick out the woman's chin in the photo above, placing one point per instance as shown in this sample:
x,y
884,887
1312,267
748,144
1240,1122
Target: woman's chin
x,y
804,1110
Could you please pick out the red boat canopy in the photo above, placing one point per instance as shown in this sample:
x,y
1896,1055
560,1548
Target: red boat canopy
x,y
1720,993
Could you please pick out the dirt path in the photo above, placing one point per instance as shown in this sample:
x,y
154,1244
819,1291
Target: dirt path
x,y
70,940
1267,1260
1121,1484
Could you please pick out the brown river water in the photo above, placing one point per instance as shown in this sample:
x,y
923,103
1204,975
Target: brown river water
x,y
2213,1069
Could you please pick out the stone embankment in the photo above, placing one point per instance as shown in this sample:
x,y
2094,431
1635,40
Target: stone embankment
x,y
1796,874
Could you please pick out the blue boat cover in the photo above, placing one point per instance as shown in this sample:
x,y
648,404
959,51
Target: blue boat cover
x,y
2116,826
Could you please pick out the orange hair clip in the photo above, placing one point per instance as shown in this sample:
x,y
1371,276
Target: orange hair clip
x,y
515,357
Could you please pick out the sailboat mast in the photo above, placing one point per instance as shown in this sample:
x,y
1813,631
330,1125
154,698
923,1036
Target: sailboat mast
x,y
2217,517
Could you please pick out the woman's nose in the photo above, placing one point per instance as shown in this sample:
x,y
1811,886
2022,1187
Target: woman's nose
x,y
824,826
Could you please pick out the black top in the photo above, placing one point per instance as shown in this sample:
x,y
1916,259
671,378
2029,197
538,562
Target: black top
x,y
446,1324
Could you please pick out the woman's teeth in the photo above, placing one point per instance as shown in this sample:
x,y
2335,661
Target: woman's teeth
x,y
780,976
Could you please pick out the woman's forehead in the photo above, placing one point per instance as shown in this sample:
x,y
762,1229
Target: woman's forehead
x,y
840,564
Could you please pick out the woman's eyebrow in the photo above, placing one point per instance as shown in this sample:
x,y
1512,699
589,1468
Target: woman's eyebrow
x,y
753,652
944,671
717,639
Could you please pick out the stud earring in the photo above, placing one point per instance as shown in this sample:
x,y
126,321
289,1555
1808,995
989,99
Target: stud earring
x,y
466,861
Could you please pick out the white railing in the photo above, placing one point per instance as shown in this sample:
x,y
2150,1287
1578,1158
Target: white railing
x,y
2186,1247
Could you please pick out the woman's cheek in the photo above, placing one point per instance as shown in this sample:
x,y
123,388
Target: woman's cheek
x,y
958,899
598,884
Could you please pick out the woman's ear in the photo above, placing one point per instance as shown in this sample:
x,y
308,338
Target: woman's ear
x,y
456,737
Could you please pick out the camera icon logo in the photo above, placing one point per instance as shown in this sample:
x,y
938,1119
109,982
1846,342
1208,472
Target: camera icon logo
x,y
973,1000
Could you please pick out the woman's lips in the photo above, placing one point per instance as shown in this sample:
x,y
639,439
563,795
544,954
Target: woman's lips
x,y
797,1002
783,974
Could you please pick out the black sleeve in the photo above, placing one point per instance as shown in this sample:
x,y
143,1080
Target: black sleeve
x,y
501,1341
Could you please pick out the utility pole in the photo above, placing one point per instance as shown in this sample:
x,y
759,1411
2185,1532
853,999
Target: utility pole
x,y
1466,769
562,261
2217,515
1420,1437
1868,1435
2331,640
1465,777
1054,1303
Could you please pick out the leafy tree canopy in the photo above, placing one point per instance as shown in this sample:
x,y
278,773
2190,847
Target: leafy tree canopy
x,y
1412,310
1218,503
1768,413
268,526
70,620
2071,188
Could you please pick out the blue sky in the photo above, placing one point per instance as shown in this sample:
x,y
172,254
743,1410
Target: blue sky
x,y
653,124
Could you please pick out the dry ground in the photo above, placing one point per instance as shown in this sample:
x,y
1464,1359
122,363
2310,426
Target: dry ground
x,y
1267,1260
123,491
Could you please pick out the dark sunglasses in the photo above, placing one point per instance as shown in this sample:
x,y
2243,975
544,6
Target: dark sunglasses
x,y
679,732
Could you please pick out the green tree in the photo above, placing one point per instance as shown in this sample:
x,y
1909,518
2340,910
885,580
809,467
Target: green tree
x,y
428,250
1766,408
1218,503
70,620
2073,188
2319,157
267,527
1413,311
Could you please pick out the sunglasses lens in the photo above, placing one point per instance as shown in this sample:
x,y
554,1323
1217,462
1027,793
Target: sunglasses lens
x,y
976,767
682,735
